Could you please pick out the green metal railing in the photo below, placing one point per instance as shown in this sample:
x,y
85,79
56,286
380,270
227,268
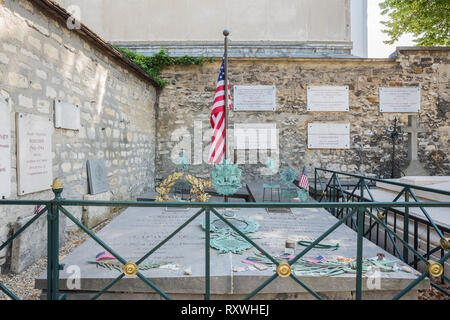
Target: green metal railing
x,y
332,191
57,207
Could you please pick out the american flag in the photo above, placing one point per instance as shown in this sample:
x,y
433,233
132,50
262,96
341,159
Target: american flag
x,y
217,119
303,181
105,255
39,208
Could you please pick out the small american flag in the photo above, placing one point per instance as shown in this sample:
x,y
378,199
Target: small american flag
x,y
303,181
39,208
105,255
217,119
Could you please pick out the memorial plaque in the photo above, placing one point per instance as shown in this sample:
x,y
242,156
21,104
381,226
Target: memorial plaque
x,y
255,98
327,98
260,136
34,153
67,116
97,175
5,149
328,135
397,99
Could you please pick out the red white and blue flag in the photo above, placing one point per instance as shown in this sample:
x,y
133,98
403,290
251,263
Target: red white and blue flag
x,y
303,181
39,208
105,255
217,119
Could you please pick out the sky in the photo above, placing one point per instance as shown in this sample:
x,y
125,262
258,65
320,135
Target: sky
x,y
377,49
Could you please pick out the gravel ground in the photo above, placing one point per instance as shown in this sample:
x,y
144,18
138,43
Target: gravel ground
x,y
22,285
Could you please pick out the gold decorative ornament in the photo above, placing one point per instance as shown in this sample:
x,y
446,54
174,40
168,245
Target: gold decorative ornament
x,y
164,188
381,216
445,243
435,269
284,269
198,188
324,193
130,269
57,184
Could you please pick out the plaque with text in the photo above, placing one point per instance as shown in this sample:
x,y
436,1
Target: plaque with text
x,y
34,153
327,98
260,136
67,116
398,99
97,176
5,149
328,135
255,98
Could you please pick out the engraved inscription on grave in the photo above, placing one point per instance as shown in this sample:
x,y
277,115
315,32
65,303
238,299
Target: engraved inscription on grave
x,y
34,153
400,99
67,116
98,178
327,98
255,98
5,149
328,135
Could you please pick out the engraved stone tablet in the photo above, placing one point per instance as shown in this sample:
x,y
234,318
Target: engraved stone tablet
x,y
34,153
5,149
328,135
260,136
396,99
67,116
255,98
327,98
97,176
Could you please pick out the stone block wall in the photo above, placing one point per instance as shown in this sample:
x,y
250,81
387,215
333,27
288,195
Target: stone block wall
x,y
41,61
185,104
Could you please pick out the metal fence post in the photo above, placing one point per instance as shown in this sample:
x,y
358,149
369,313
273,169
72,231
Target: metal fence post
x,y
359,253
315,183
53,266
207,254
406,227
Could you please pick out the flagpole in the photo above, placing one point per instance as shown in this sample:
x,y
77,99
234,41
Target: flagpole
x,y
226,33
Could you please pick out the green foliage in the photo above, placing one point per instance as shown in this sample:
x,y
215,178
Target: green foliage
x,y
427,20
156,63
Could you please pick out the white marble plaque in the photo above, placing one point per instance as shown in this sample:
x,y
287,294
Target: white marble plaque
x,y
327,98
260,136
67,116
34,153
255,98
5,149
397,99
328,135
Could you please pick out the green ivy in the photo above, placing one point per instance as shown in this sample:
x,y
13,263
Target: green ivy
x,y
157,62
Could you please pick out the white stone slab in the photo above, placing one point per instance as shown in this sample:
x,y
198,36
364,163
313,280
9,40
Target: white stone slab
x,y
327,98
34,153
261,136
398,99
5,149
422,195
255,98
328,135
424,180
67,116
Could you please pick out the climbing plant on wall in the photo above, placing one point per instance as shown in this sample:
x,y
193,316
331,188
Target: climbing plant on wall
x,y
154,64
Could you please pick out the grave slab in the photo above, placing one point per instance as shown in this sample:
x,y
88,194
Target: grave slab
x,y
92,216
137,230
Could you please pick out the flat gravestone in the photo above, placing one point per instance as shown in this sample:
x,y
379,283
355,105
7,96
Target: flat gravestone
x,y
34,153
5,149
138,230
97,176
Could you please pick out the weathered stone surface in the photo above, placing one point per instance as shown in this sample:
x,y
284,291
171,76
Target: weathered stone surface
x,y
92,216
31,245
137,230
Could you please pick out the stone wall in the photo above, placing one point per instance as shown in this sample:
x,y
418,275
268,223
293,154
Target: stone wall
x,y
184,108
41,60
